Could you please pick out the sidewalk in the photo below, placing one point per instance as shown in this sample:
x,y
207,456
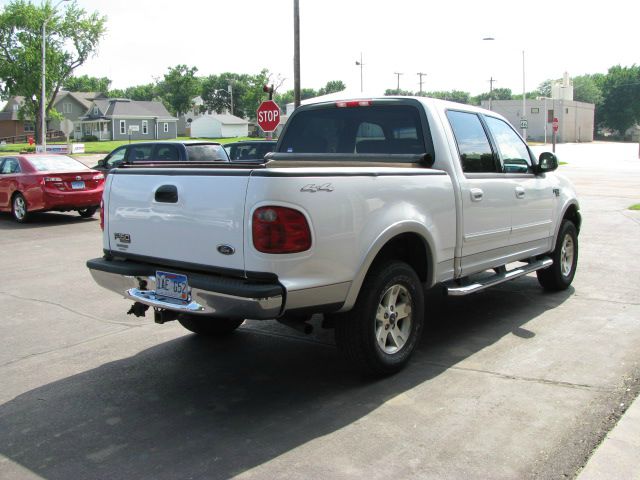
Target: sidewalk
x,y
618,456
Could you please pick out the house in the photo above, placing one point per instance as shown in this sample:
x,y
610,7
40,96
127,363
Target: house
x,y
122,119
10,123
219,125
70,105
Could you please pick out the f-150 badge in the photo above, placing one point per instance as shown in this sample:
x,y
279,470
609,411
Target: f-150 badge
x,y
313,188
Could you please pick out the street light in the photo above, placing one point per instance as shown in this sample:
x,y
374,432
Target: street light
x,y
43,99
360,64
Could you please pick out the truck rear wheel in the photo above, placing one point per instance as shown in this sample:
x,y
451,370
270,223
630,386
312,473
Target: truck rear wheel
x,y
381,332
565,260
207,326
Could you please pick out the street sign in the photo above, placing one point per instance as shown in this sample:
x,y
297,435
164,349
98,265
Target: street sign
x,y
268,115
134,128
524,124
66,126
555,126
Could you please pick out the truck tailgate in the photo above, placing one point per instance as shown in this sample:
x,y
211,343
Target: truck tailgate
x,y
185,215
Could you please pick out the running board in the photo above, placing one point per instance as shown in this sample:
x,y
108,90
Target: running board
x,y
498,278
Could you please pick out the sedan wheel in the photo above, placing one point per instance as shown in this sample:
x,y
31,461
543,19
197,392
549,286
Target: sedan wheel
x,y
19,208
87,212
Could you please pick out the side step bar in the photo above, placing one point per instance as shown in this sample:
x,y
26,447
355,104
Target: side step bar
x,y
500,277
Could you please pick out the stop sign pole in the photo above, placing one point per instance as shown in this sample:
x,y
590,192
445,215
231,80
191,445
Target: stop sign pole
x,y
268,116
555,133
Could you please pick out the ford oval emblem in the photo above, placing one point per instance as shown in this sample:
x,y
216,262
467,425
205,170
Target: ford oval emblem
x,y
226,249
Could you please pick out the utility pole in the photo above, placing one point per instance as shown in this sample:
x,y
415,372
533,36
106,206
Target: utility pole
x,y
524,100
361,65
296,53
491,80
420,74
398,74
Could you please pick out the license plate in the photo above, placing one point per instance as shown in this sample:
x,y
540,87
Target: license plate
x,y
172,285
77,185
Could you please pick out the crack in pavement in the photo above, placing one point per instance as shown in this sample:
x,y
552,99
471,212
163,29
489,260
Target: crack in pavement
x,y
64,347
85,315
506,376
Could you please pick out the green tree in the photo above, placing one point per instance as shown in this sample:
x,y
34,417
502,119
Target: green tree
x,y
586,89
178,88
146,92
86,83
496,94
620,107
72,37
395,91
332,86
544,89
453,96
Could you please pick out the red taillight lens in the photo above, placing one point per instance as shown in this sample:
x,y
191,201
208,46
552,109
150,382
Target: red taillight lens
x,y
280,230
102,215
353,103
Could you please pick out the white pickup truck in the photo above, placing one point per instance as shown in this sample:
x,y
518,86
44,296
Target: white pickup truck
x,y
362,206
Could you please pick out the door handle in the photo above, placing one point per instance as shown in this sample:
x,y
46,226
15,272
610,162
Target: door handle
x,y
476,194
520,192
167,194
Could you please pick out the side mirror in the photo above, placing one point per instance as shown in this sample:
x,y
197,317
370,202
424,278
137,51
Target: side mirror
x,y
102,162
547,162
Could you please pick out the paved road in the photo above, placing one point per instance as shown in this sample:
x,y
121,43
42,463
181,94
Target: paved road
x,y
512,383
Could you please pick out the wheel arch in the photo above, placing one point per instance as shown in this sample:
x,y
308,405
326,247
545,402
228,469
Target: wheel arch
x,y
411,243
571,211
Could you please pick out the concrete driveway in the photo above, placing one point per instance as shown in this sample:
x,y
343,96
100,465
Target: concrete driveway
x,y
511,383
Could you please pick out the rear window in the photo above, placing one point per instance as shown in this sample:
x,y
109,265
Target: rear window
x,y
56,163
384,129
206,153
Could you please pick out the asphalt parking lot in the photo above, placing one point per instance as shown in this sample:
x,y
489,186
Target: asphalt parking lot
x,y
510,383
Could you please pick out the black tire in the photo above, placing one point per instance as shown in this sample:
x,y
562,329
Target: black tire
x,y
87,212
19,208
565,260
207,326
370,337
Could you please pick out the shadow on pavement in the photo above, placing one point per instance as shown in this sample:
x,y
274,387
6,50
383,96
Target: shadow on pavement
x,y
199,408
44,219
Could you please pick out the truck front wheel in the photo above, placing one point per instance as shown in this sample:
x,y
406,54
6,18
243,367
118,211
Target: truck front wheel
x,y
210,327
565,260
381,332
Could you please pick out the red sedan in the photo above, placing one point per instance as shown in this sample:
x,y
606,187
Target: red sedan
x,y
36,183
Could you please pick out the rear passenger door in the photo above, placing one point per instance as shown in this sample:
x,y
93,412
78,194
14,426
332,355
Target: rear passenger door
x,y
486,195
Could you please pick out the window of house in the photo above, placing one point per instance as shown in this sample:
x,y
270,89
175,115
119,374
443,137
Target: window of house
x,y
474,148
66,107
535,110
145,127
29,127
566,110
166,127
512,149
15,107
123,127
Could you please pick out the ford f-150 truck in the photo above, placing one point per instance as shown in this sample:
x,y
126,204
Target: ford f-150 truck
x,y
362,206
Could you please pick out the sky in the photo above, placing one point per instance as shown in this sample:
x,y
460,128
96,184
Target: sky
x,y
442,39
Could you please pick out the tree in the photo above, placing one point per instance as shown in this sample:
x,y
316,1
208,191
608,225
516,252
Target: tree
x,y
453,96
496,94
620,107
72,37
544,89
145,92
86,83
395,91
178,88
332,86
586,89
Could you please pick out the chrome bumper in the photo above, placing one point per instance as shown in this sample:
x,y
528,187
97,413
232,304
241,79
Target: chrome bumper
x,y
202,302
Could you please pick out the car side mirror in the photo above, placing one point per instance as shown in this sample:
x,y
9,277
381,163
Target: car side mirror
x,y
547,162
102,163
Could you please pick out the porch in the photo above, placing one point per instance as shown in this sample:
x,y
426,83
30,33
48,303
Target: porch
x,y
101,129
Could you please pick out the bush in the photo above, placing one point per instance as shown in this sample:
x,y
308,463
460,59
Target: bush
x,y
89,138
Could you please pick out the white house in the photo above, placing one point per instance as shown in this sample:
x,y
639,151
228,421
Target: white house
x,y
219,125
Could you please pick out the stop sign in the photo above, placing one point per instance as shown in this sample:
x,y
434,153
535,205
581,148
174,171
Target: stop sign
x,y
268,114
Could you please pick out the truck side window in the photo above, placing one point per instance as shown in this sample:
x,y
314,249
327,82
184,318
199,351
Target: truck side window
x,y
167,153
473,145
513,151
116,156
140,153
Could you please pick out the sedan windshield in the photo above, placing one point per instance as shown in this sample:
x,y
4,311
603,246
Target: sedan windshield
x,y
56,163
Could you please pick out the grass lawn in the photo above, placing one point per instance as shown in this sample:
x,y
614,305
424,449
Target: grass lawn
x,y
635,207
106,147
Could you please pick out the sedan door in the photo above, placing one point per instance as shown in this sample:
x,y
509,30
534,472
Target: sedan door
x,y
8,168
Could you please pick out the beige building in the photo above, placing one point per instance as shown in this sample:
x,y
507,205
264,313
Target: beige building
x,y
575,119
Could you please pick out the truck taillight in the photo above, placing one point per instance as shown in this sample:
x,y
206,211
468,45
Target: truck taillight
x,y
353,103
101,214
280,230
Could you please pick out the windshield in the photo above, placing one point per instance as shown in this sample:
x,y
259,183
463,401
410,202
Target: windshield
x,y
56,163
206,153
382,129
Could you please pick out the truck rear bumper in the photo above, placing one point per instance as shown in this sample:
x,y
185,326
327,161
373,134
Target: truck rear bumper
x,y
211,295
